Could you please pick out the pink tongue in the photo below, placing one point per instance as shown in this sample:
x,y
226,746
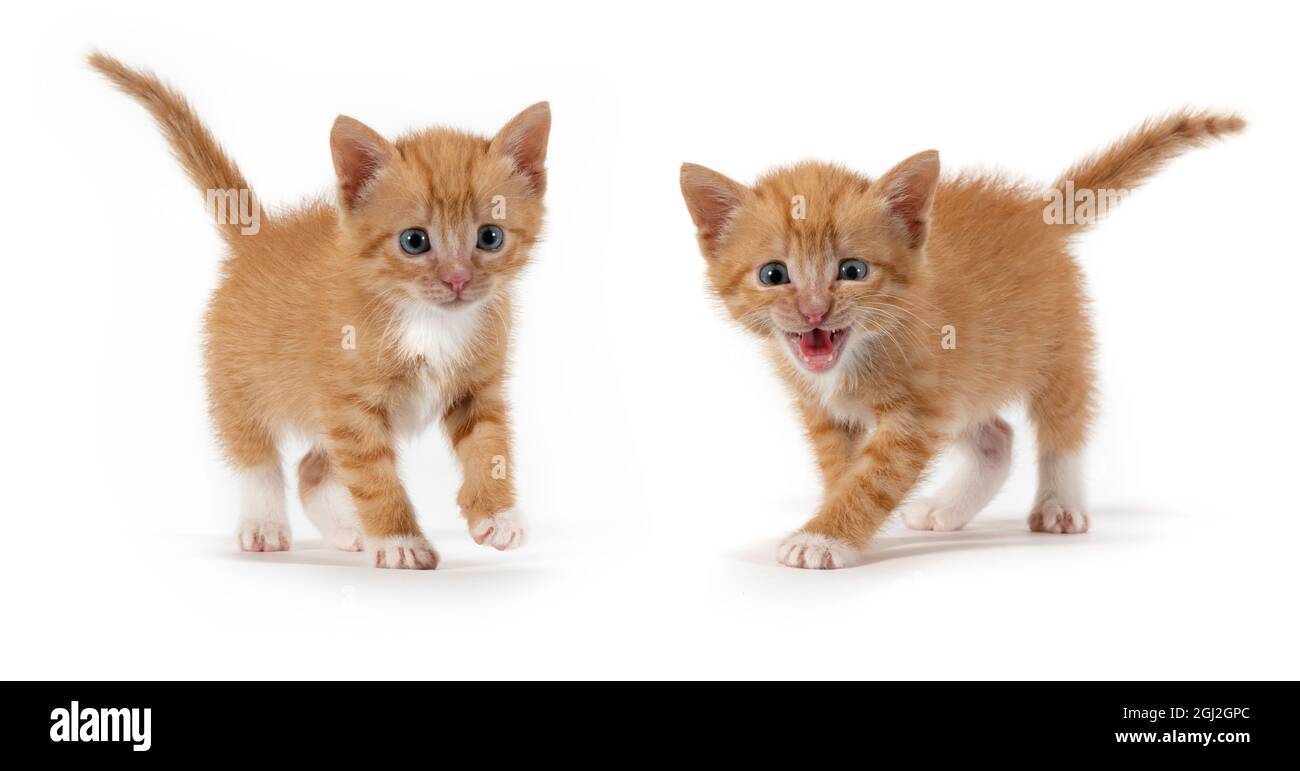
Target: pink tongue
x,y
815,343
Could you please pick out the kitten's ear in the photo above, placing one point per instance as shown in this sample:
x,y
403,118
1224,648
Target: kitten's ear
x,y
359,153
712,199
523,141
908,192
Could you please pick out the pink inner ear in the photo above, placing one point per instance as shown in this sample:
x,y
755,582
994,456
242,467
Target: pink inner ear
x,y
712,199
528,154
911,209
358,168
908,190
524,140
359,153
712,208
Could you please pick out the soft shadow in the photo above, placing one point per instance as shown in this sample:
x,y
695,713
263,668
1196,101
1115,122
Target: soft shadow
x,y
318,553
991,533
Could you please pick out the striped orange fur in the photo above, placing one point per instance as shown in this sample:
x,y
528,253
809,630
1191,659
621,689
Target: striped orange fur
x,y
325,327
969,300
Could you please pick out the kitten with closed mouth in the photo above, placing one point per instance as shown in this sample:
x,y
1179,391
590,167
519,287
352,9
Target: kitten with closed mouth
x,y
904,312
360,319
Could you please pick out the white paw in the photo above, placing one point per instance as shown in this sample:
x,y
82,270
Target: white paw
x,y
329,506
814,551
1051,517
260,535
928,514
506,530
408,552
347,538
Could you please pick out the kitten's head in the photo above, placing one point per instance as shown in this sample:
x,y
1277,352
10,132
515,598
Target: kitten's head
x,y
813,255
441,218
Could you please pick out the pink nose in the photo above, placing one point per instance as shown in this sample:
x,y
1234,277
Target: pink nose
x,y
814,309
456,279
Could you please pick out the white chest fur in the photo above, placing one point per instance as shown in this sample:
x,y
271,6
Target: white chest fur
x,y
425,404
443,339
848,410
830,391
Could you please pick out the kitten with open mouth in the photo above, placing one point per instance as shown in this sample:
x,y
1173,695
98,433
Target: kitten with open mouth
x,y
905,311
817,349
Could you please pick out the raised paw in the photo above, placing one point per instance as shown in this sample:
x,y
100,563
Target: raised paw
x,y
814,551
1051,517
503,531
261,535
406,552
929,514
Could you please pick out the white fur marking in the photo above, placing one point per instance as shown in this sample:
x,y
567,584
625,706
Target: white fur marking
x,y
330,508
850,411
406,552
439,335
421,408
1059,505
263,517
503,531
984,462
814,551
1061,476
830,388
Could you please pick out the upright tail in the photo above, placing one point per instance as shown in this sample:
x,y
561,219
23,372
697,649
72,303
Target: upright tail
x,y
1129,162
208,166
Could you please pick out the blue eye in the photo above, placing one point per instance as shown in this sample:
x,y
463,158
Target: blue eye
x,y
414,241
490,238
853,270
773,273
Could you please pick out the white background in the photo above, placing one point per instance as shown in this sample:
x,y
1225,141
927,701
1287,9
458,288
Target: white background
x,y
657,457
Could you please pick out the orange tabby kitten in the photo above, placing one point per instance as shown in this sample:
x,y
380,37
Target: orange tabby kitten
x,y
904,312
358,324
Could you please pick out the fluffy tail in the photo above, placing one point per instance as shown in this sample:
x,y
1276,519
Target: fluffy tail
x,y
208,166
1129,162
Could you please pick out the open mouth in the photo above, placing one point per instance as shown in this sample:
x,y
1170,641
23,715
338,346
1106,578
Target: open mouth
x,y
818,349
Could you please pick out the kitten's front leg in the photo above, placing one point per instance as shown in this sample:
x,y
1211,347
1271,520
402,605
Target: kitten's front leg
x,y
834,444
362,445
479,429
875,482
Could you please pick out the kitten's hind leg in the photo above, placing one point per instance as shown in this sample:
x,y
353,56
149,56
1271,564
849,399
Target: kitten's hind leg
x,y
1061,415
263,516
327,503
1059,506
984,458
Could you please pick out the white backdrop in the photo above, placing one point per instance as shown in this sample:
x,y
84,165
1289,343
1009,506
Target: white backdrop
x,y
658,458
